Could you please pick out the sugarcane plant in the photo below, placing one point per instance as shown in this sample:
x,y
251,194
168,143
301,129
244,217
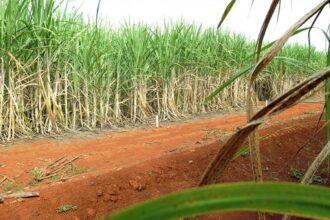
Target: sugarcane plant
x,y
60,72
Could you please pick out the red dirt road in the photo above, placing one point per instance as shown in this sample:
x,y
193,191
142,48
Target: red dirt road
x,y
129,167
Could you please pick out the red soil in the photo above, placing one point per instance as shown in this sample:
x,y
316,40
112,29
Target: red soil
x,y
123,168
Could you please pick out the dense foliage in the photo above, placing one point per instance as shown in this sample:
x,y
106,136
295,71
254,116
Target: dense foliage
x,y
60,72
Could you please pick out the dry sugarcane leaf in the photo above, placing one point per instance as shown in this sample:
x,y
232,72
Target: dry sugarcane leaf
x,y
255,156
308,177
271,53
23,195
264,61
223,157
226,153
264,27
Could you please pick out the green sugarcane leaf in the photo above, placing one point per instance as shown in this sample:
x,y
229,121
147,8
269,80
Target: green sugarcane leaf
x,y
228,82
282,198
226,12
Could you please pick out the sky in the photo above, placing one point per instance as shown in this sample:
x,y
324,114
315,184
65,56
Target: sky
x,y
242,19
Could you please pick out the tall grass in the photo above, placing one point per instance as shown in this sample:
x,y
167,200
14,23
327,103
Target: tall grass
x,y
60,73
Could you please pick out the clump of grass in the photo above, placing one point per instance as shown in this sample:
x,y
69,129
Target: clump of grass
x,y
58,72
12,187
37,174
294,173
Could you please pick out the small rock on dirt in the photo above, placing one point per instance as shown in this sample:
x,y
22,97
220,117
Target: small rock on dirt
x,y
113,198
36,213
108,198
266,169
90,212
114,189
99,192
93,200
137,184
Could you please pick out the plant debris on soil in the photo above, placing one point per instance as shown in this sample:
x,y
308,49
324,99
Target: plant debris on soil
x,y
66,208
56,168
18,196
122,169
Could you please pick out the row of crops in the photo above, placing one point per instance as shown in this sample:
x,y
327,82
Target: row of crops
x,y
61,73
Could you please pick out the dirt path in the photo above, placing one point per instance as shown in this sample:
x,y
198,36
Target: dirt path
x,y
123,168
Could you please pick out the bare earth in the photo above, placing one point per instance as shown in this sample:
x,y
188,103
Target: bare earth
x,y
118,169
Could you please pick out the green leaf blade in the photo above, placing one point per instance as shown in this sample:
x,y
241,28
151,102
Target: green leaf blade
x,y
226,12
282,198
227,83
